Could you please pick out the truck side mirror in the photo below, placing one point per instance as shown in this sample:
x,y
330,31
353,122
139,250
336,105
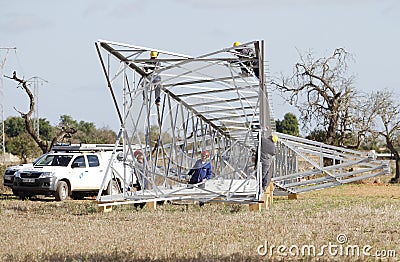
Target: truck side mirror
x,y
75,165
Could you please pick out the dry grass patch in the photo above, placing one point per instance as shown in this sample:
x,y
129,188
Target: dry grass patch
x,y
74,231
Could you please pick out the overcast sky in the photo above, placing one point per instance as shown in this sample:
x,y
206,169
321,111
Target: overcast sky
x,y
55,41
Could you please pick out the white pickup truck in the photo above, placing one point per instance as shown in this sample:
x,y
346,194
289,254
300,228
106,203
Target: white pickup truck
x,y
73,172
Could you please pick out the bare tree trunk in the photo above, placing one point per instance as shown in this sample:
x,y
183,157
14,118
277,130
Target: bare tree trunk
x,y
45,146
397,159
396,179
330,135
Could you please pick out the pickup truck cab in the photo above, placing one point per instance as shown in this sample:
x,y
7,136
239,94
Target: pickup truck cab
x,y
71,173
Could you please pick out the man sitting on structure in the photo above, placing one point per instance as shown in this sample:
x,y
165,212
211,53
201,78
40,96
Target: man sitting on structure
x,y
201,171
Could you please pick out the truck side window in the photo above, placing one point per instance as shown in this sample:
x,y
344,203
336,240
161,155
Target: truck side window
x,y
60,160
79,160
93,160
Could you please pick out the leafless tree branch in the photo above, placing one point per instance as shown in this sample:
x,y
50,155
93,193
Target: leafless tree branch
x,y
321,91
45,146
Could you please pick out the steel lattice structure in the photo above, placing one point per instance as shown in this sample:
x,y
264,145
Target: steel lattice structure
x,y
303,165
213,102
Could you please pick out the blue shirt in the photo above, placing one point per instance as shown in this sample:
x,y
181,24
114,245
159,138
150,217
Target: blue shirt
x,y
200,171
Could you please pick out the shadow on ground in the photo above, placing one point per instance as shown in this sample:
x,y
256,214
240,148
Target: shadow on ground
x,y
131,257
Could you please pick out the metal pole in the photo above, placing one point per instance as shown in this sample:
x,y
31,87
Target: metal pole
x,y
36,80
3,64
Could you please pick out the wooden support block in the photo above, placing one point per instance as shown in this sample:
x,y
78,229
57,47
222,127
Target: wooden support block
x,y
268,195
255,207
151,205
292,196
265,204
219,202
105,209
270,199
266,199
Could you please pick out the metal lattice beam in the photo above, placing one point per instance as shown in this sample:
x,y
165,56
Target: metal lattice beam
x,y
212,102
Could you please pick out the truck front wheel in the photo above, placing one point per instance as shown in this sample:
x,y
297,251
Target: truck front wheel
x,y
113,188
15,192
24,195
62,191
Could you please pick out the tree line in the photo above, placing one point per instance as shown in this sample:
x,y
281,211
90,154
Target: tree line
x,y
20,143
23,140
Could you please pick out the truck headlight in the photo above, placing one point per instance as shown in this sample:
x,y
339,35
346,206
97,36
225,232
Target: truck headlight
x,y
46,174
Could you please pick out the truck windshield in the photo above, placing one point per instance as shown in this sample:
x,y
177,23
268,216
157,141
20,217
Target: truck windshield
x,y
54,160
38,159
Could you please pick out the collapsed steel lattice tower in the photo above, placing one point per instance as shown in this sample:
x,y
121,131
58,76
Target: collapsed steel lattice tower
x,y
213,102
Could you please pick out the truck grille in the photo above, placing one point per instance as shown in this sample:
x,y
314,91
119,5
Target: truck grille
x,y
30,174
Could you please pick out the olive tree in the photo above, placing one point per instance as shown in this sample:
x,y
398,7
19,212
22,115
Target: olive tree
x,y
23,146
19,142
289,125
322,91
86,132
363,122
385,107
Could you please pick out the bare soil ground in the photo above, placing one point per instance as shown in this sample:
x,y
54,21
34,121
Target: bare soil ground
x,y
364,214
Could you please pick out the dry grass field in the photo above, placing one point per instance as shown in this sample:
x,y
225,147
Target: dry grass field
x,y
368,215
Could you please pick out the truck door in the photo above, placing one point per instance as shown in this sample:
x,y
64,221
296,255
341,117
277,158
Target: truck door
x,y
79,174
95,172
